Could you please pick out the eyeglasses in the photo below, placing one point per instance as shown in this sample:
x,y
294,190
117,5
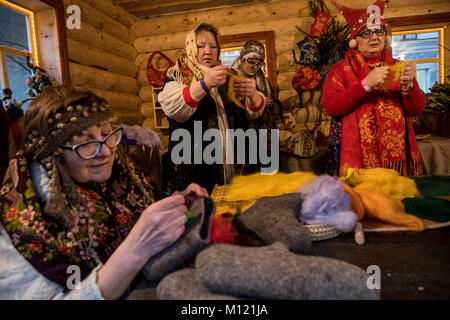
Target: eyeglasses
x,y
367,34
255,63
89,149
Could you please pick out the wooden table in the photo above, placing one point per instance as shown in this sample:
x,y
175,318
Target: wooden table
x,y
414,265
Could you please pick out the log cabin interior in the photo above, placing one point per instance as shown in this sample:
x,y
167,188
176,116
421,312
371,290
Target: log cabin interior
x,y
109,53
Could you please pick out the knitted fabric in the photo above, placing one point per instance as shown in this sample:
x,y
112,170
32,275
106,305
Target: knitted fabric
x,y
196,236
273,272
273,219
184,285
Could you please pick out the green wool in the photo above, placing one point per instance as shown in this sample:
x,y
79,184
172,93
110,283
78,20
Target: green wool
x,y
190,217
433,186
428,208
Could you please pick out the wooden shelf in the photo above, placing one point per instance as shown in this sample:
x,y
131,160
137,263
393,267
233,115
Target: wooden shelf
x,y
161,121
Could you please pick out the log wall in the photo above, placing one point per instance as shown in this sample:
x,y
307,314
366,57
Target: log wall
x,y
102,56
168,34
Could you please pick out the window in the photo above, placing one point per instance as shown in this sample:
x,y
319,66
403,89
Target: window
x,y
425,48
17,33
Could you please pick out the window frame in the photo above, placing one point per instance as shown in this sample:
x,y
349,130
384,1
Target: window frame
x,y
32,41
59,12
441,58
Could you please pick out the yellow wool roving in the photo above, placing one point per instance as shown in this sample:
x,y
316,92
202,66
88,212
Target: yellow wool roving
x,y
255,186
383,180
396,70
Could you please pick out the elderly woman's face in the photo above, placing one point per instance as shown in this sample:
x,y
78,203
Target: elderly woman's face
x,y
207,51
251,66
371,43
97,169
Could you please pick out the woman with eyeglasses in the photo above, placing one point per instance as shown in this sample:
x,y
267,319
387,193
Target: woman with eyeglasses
x,y
250,64
78,220
195,96
371,114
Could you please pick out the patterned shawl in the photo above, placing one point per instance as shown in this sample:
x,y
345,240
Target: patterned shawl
x,y
378,133
114,206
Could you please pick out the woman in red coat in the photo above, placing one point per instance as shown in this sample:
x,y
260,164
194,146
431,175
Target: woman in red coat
x,y
371,116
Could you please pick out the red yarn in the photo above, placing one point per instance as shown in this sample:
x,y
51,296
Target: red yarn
x,y
222,230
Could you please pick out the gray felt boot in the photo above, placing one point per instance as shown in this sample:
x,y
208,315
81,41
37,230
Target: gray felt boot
x,y
196,236
274,219
273,272
184,285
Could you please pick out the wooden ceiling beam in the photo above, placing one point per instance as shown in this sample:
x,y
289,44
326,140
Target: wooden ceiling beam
x,y
145,10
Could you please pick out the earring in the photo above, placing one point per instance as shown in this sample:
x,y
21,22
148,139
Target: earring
x,y
353,43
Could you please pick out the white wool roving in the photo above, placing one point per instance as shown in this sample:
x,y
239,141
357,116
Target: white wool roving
x,y
326,202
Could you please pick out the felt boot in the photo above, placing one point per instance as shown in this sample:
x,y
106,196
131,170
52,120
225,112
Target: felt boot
x,y
196,236
273,272
184,285
274,219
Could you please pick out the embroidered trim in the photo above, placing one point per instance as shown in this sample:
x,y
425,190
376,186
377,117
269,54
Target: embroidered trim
x,y
188,98
257,109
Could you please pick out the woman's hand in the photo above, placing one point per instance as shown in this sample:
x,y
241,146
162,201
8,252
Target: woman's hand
x,y
159,226
376,77
269,102
193,187
245,87
406,79
215,77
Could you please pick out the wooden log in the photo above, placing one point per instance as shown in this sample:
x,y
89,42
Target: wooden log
x,y
129,118
266,12
119,101
285,80
82,54
286,43
176,40
101,21
417,10
142,58
149,123
277,11
90,77
96,38
146,94
142,78
284,95
391,4
114,11
285,63
147,110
